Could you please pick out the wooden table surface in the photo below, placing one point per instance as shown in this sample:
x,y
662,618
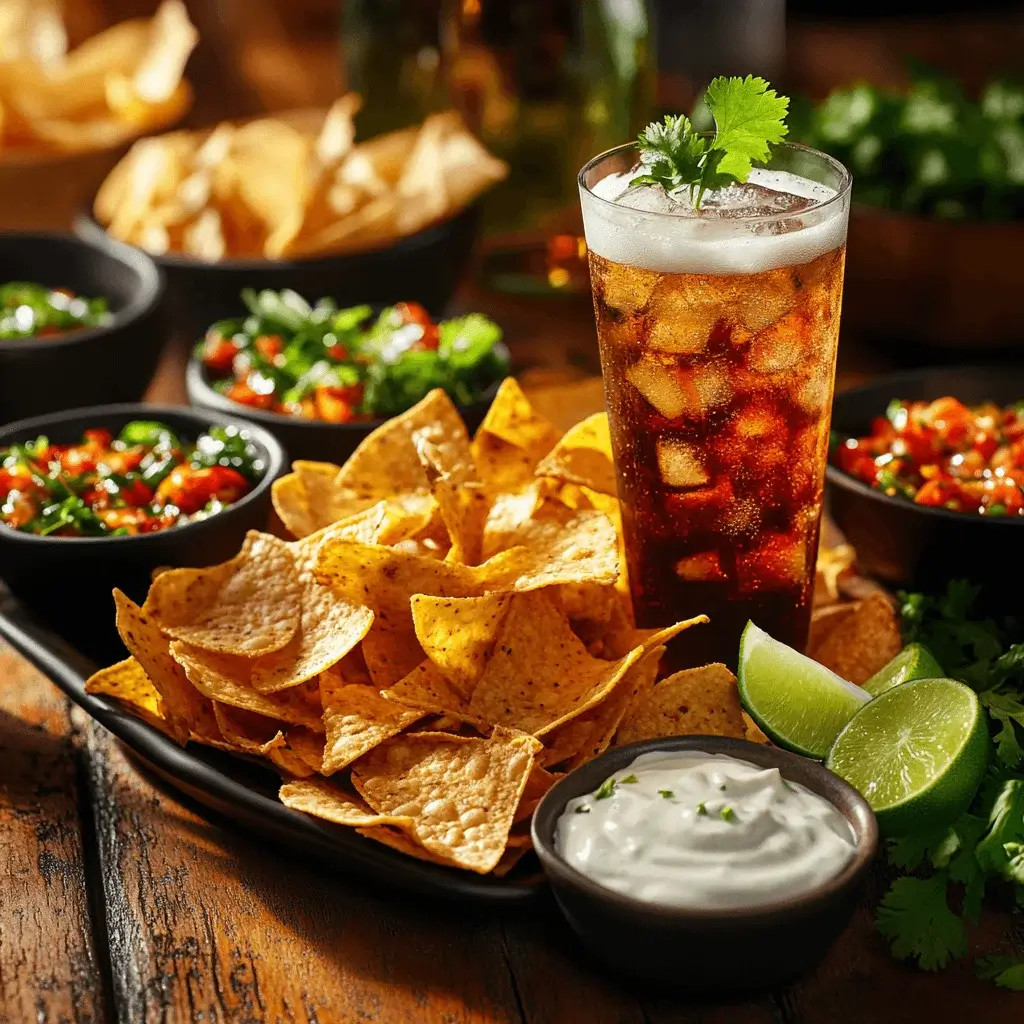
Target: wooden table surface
x,y
118,902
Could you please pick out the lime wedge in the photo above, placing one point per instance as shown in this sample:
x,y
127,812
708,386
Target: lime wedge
x,y
915,661
797,702
917,754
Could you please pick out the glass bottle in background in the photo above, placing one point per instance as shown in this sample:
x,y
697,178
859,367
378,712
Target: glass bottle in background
x,y
391,52
544,83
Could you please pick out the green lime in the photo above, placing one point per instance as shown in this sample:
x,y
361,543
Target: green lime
x,y
797,702
917,754
915,661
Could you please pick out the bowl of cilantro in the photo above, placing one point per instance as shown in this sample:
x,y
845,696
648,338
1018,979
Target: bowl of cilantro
x,y
938,208
322,378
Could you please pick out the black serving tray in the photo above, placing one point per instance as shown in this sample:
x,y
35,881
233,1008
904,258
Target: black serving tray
x,y
243,791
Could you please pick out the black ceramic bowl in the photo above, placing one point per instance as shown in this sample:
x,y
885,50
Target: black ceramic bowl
x,y
114,363
309,439
910,545
425,268
702,951
66,582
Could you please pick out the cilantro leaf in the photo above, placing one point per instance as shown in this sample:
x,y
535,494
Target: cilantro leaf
x,y
1005,971
996,852
1007,711
672,152
915,916
749,116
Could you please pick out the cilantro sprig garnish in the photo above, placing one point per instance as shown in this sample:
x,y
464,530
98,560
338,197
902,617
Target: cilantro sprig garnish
x,y
749,118
947,873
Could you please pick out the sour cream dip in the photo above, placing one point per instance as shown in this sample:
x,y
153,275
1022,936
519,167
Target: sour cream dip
x,y
704,832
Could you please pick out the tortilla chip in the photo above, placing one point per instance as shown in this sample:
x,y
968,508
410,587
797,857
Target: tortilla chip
x,y
584,456
307,745
427,690
386,462
390,652
510,514
537,785
752,731
826,618
305,498
227,678
701,701
248,606
461,793
463,506
127,682
357,719
540,674
329,627
182,706
402,842
834,565
510,859
384,579
863,642
590,735
555,548
249,733
330,802
458,634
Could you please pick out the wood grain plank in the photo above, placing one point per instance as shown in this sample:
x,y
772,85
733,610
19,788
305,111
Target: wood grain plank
x,y
206,923
48,965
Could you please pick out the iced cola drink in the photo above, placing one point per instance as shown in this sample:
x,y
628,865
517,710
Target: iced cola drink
x,y
718,332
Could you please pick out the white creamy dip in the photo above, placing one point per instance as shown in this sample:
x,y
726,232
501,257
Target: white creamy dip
x,y
704,831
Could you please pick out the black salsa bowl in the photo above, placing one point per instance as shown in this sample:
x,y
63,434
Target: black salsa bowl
x,y
95,365
425,267
66,582
908,545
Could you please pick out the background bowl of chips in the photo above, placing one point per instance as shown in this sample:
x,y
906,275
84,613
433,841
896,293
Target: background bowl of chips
x,y
293,201
113,363
66,582
707,951
67,117
425,268
917,546
316,440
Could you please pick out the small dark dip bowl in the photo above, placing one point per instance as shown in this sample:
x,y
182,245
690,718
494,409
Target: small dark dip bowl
x,y
425,267
707,952
916,546
309,439
66,582
114,363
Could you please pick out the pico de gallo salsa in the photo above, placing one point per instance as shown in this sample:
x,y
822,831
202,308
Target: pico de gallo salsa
x,y
144,480
340,366
944,454
29,310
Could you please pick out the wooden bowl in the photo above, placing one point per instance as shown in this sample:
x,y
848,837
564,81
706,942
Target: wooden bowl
x,y
947,284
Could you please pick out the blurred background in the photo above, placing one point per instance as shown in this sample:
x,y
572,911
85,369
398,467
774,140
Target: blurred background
x,y
925,108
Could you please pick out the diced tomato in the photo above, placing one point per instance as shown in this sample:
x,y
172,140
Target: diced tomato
x,y
78,460
269,346
14,480
125,462
853,459
242,393
218,352
193,489
412,313
941,493
136,493
337,405
98,438
1005,492
951,419
338,353
19,510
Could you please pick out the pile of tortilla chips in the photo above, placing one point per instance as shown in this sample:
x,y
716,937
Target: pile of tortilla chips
x,y
448,633
116,86
293,186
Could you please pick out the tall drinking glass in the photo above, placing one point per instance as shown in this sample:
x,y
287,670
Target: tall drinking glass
x,y
718,332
